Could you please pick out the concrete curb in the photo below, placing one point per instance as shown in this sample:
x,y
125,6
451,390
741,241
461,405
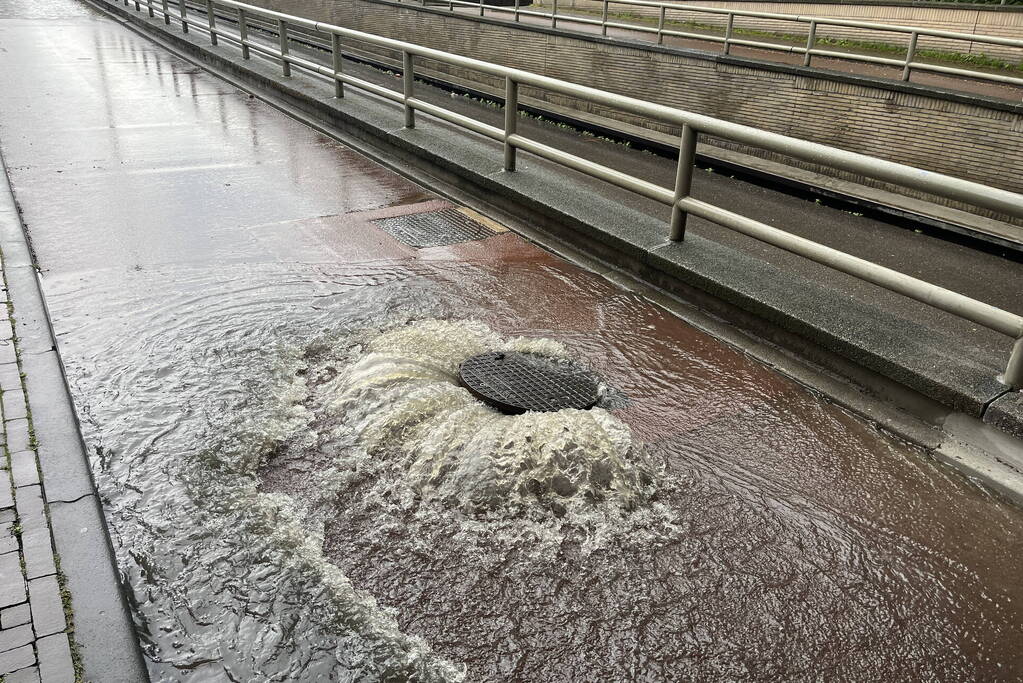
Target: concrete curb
x,y
104,630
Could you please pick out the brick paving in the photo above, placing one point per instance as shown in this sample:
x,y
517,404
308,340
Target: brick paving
x,y
35,643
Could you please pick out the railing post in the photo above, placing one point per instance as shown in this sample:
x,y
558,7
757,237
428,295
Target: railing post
x,y
603,18
511,120
282,28
1013,376
683,181
660,27
728,32
517,2
149,5
810,40
212,20
336,58
183,12
481,8
243,32
910,55
166,13
554,14
407,81
138,7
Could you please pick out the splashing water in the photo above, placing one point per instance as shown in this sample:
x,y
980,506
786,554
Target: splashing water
x,y
401,398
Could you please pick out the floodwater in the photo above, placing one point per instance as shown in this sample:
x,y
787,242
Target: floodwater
x,y
298,490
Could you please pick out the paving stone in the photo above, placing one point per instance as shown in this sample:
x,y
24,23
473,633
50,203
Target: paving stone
x,y
55,664
36,543
47,608
14,404
6,497
29,675
17,435
12,583
8,541
29,502
37,546
7,352
11,638
15,659
7,515
15,616
23,468
10,378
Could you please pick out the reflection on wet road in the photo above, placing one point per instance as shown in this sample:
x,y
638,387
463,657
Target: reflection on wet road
x,y
218,284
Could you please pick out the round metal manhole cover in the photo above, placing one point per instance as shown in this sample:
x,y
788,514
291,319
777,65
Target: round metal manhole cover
x,y
516,382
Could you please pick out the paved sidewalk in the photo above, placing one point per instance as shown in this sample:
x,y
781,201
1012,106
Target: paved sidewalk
x,y
36,633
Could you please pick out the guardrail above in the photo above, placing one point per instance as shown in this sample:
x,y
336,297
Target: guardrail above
x,y
691,124
908,64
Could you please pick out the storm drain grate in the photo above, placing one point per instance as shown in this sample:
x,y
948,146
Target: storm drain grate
x,y
434,229
516,382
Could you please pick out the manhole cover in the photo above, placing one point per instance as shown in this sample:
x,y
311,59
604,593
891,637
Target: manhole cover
x,y
434,229
516,382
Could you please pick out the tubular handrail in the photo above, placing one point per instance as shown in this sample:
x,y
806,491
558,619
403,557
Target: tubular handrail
x,y
691,124
830,21
908,63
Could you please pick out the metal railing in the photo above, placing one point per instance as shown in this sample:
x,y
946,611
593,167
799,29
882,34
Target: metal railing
x,y
908,64
679,198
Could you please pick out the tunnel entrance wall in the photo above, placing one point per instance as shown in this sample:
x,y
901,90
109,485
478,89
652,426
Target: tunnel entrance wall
x,y
1005,21
952,133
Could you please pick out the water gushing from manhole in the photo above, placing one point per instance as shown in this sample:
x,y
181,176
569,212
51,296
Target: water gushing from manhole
x,y
403,400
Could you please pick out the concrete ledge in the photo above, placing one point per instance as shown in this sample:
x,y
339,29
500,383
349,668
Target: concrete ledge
x,y
1006,413
754,293
103,627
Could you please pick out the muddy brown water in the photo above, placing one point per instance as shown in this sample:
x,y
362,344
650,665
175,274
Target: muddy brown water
x,y
206,259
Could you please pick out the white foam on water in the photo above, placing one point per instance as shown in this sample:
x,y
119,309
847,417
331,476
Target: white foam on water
x,y
381,429
227,481
402,401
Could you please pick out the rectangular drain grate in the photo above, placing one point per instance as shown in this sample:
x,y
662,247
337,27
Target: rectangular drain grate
x,y
434,229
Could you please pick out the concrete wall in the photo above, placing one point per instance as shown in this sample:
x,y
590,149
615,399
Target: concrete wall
x,y
1003,22
958,136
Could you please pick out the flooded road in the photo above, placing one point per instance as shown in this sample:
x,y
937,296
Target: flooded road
x,y
294,482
